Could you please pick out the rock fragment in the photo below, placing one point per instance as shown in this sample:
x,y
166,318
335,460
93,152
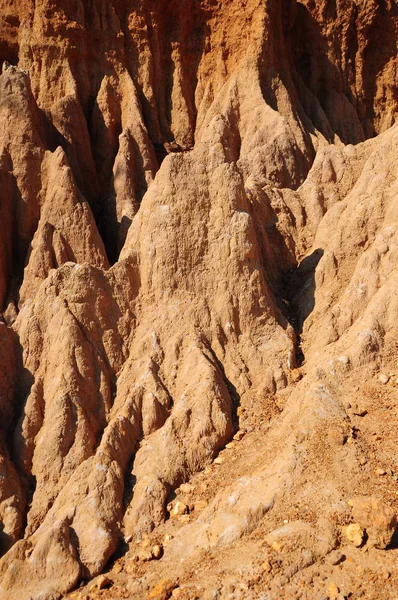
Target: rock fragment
x,y
179,508
239,435
267,567
335,558
102,583
354,534
162,591
145,555
296,375
359,410
376,517
157,551
167,539
186,488
333,591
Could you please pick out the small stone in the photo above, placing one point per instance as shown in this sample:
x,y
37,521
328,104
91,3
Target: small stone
x,y
179,508
240,411
239,435
335,558
350,440
332,591
296,375
386,574
230,445
354,534
344,360
184,518
383,378
376,517
337,436
380,471
117,568
267,566
167,539
277,546
363,461
103,582
219,460
131,566
157,551
145,555
359,411
186,488
162,590
128,539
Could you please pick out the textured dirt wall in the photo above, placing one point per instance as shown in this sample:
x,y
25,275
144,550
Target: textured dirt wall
x,y
198,212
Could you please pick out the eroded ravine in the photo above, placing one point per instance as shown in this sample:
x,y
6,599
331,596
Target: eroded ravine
x,y
242,186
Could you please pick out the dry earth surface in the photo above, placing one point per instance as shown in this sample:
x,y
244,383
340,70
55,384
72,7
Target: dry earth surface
x,y
198,299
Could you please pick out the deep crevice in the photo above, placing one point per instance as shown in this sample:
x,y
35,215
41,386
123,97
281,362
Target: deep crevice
x,y
297,297
30,492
